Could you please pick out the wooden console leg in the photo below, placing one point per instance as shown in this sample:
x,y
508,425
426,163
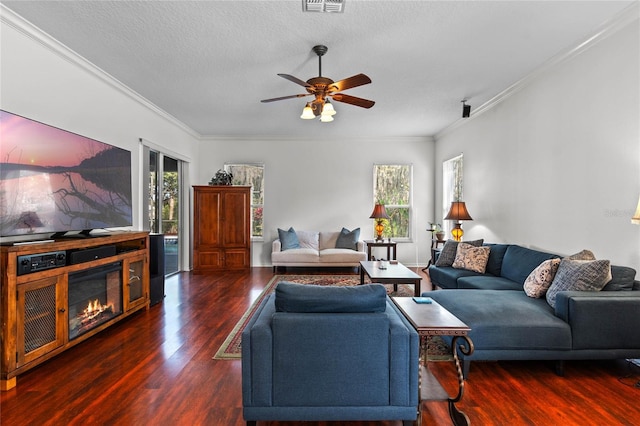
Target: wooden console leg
x,y
5,385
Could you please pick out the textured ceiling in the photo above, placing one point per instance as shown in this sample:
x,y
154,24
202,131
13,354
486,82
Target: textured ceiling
x,y
209,63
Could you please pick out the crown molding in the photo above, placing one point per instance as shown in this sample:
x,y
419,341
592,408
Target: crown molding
x,y
17,22
627,16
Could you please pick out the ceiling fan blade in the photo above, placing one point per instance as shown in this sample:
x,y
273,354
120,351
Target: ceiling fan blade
x,y
348,83
295,80
285,97
347,99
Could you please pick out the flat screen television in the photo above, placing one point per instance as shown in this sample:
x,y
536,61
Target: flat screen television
x,y
55,181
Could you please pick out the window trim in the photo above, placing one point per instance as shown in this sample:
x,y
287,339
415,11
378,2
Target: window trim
x,y
409,207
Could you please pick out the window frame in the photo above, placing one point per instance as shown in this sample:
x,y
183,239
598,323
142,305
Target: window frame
x,y
452,187
228,168
408,207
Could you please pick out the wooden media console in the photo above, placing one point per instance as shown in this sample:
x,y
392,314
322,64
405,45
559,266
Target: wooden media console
x,y
56,294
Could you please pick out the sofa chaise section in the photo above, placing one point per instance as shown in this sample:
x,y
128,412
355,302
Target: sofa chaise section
x,y
508,324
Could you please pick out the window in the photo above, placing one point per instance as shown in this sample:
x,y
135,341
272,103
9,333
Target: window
x,y
392,187
251,175
451,187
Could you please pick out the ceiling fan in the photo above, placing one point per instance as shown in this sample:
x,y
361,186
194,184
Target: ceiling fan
x,y
323,88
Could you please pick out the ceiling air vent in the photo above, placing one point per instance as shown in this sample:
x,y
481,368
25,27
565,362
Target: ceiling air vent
x,y
333,6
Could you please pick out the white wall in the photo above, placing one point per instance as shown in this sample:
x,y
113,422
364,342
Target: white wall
x,y
42,80
556,165
324,185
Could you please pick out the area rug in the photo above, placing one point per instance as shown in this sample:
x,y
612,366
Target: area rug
x,y
231,348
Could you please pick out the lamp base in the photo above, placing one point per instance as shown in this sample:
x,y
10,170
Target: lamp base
x,y
457,232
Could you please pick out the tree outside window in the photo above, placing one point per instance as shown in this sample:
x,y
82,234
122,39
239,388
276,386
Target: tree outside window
x,y
392,187
251,174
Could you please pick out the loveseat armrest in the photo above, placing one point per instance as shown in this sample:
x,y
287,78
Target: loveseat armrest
x,y
360,245
601,319
276,245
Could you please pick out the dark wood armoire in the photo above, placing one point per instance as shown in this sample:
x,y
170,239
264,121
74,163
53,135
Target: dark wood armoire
x,y
221,228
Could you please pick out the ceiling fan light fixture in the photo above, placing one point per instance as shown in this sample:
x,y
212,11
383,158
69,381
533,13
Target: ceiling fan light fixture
x,y
325,118
328,109
307,112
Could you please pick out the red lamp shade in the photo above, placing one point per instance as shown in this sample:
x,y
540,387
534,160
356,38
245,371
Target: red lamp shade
x,y
458,212
379,214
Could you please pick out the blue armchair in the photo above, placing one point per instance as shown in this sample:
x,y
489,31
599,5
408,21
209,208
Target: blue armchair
x,y
313,353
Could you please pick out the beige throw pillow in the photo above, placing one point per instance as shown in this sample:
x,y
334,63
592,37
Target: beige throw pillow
x,y
471,258
540,279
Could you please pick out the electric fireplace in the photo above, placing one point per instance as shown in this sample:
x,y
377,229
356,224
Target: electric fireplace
x,y
95,296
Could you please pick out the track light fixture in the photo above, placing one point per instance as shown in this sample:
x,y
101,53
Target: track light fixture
x,y
466,109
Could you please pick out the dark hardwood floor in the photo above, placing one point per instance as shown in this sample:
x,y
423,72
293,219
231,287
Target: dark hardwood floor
x,y
156,368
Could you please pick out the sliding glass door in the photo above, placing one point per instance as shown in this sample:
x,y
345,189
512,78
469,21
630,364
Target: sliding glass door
x,y
164,196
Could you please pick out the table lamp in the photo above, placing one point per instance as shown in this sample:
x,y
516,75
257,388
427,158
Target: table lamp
x,y
379,214
458,212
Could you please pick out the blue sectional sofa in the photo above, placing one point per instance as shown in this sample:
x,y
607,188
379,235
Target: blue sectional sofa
x,y
507,324
312,353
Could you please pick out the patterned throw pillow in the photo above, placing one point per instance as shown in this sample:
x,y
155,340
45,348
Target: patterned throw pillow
x,y
582,255
471,258
540,279
578,275
450,249
588,255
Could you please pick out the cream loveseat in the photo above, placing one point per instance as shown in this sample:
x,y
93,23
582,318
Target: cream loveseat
x,y
317,249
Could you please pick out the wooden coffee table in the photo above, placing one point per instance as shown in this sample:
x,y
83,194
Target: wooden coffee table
x,y
394,274
432,319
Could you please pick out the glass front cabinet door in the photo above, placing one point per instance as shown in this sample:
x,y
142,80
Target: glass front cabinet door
x,y
136,289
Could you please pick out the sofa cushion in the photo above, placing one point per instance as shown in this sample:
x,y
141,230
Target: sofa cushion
x,y
494,264
506,320
298,255
348,239
488,282
519,261
450,249
447,276
328,239
578,275
292,297
540,279
288,239
621,278
309,239
471,258
337,255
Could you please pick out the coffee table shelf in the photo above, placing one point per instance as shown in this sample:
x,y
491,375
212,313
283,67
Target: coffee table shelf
x,y
429,320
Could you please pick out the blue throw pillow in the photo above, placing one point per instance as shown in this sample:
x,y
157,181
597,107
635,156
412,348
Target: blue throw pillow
x,y
348,239
307,298
288,239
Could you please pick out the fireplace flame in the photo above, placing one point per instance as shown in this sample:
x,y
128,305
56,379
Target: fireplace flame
x,y
94,309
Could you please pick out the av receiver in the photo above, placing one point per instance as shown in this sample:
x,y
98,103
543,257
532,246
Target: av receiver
x,y
41,261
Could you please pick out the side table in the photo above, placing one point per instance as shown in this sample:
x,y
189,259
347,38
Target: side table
x,y
434,247
388,244
435,243
428,320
